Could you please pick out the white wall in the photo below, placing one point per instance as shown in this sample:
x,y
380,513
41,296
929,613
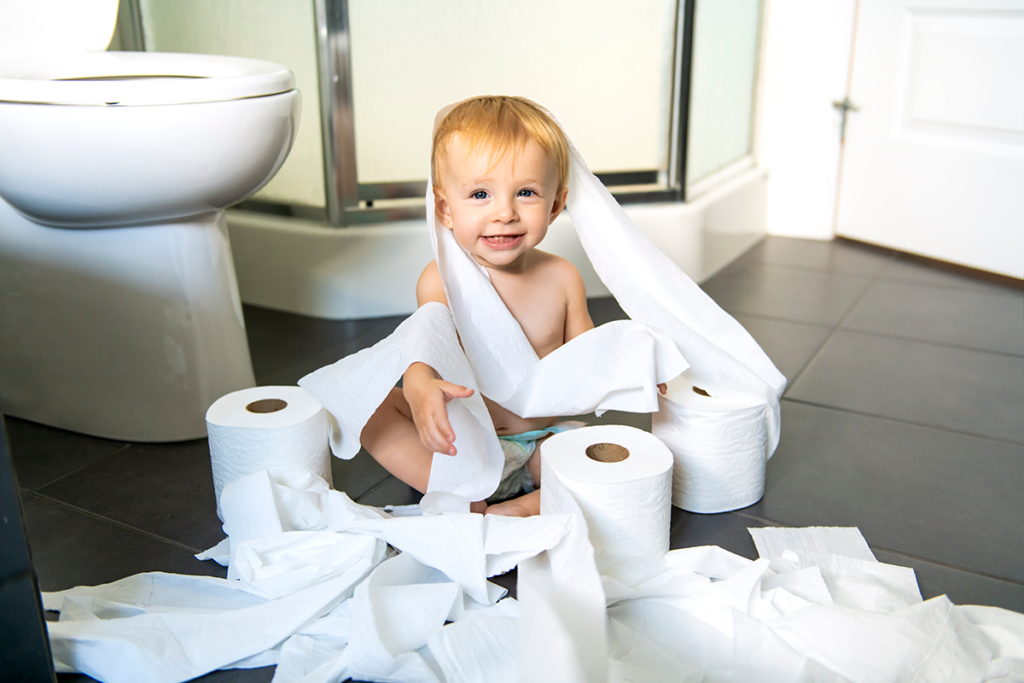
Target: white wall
x,y
806,60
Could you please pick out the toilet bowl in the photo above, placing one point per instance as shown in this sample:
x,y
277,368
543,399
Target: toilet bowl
x,y
119,310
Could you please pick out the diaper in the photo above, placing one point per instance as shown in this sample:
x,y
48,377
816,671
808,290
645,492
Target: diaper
x,y
518,449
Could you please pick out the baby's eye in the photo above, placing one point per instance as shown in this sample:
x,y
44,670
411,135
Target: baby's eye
x,y
527,193
479,194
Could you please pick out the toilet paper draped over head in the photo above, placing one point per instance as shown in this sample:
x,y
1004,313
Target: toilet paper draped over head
x,y
674,327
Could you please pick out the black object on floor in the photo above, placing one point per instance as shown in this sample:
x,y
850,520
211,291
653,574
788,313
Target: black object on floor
x,y
25,655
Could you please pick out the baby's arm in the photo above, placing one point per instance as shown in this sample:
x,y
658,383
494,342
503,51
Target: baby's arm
x,y
428,397
427,394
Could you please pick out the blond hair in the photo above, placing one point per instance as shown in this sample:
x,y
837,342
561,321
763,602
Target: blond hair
x,y
501,124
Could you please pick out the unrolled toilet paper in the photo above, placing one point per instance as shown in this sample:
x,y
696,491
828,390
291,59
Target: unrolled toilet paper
x,y
720,443
280,429
620,477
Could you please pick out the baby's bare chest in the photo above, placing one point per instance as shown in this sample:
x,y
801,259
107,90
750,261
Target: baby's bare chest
x,y
541,313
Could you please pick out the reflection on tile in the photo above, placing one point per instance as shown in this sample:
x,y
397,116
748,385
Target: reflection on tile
x,y
164,489
797,295
959,389
789,345
837,256
979,320
940,496
961,587
43,454
71,549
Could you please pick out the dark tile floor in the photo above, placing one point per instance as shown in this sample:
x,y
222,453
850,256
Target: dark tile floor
x,y
904,416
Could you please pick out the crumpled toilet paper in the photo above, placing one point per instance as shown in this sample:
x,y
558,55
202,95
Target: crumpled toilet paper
x,y
282,429
695,614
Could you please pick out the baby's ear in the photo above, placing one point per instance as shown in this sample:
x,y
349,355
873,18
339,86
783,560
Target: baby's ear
x,y
441,207
559,204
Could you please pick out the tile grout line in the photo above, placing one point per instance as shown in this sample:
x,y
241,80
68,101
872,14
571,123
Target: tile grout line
x,y
371,487
112,522
904,422
946,565
838,325
898,553
959,347
880,275
802,269
123,447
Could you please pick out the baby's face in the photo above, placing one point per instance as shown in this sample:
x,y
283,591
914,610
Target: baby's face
x,y
498,212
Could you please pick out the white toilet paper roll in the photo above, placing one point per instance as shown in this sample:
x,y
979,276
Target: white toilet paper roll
x,y
720,445
620,477
280,429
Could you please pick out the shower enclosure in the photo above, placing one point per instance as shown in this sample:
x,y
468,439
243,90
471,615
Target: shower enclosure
x,y
659,95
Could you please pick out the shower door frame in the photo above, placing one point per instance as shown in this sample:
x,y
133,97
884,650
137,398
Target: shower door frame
x,y
352,203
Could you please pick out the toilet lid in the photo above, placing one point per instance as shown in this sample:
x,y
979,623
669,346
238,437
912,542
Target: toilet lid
x,y
137,78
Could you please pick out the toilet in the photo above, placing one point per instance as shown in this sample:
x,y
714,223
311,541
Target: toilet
x,y
119,309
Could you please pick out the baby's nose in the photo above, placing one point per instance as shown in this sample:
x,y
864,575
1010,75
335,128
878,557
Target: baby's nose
x,y
505,211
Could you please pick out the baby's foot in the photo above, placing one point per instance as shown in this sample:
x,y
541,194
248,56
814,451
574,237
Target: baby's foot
x,y
523,506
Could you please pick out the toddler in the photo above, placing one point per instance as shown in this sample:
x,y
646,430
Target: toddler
x,y
500,169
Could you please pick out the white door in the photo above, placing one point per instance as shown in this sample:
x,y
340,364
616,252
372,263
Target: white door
x,y
934,157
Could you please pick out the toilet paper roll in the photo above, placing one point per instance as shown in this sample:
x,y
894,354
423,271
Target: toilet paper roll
x,y
720,446
280,429
620,477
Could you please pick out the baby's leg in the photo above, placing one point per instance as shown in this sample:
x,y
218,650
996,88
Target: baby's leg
x,y
390,436
529,503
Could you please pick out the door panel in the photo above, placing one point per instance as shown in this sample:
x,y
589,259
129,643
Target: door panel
x,y
934,158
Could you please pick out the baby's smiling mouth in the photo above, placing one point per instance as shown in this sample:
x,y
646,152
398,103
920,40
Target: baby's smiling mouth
x,y
502,240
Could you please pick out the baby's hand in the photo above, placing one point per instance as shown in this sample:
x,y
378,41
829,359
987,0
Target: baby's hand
x,y
428,400
663,388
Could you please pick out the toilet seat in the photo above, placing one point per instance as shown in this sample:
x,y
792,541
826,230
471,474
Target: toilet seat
x,y
136,78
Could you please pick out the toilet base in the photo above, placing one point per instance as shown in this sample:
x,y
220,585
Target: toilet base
x,y
127,333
